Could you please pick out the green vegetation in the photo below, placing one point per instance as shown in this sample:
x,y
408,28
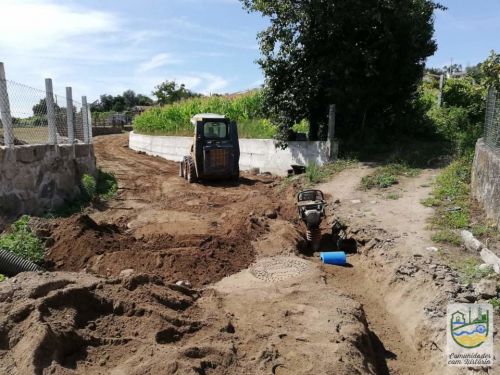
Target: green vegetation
x,y
175,119
2,278
393,196
495,302
387,175
469,271
316,174
102,189
447,236
107,186
307,58
89,187
120,103
450,196
22,242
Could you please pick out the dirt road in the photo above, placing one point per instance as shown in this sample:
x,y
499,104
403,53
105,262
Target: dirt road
x,y
257,305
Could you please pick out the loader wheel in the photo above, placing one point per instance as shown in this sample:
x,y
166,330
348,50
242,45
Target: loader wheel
x,y
191,171
181,169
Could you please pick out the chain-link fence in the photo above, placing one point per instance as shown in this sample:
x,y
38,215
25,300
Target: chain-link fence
x,y
492,124
33,116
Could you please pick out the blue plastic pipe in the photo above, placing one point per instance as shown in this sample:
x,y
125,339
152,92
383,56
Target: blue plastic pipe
x,y
336,257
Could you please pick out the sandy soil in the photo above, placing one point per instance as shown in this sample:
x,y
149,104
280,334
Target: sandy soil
x,y
259,303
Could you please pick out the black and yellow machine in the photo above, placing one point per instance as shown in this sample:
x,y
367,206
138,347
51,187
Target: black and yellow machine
x,y
215,153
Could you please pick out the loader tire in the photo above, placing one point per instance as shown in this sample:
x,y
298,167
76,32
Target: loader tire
x,y
191,171
181,169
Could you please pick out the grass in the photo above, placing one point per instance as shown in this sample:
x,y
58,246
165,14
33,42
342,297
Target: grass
x,y
316,174
22,242
387,175
450,196
469,271
447,236
33,135
393,196
2,278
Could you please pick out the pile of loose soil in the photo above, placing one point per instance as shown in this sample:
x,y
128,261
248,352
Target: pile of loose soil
x,y
63,323
81,244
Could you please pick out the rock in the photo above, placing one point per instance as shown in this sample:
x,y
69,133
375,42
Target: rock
x,y
271,214
485,267
431,248
126,273
470,242
486,289
356,201
254,171
489,258
184,283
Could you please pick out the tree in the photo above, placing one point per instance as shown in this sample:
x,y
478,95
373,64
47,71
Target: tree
x,y
41,108
491,70
144,100
365,56
125,102
129,98
170,92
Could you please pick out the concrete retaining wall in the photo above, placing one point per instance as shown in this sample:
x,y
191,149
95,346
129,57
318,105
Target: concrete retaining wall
x,y
38,178
255,153
486,180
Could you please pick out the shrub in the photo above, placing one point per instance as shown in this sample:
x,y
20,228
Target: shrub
x,y
89,186
22,242
2,277
107,186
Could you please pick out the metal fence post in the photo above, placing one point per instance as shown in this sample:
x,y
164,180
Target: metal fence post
x,y
5,115
85,120
70,115
51,115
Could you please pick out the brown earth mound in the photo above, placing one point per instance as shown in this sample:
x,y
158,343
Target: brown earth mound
x,y
81,244
64,323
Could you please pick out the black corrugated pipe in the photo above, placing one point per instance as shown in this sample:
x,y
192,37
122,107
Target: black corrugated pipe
x,y
11,264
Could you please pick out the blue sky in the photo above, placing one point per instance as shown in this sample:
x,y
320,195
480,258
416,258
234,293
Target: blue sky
x,y
109,46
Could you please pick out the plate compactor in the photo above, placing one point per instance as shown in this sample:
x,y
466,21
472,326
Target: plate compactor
x,y
311,205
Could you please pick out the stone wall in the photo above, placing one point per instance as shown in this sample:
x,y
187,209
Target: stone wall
x,y
486,180
35,179
255,153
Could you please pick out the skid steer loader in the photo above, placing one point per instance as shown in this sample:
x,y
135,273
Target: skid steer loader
x,y
215,153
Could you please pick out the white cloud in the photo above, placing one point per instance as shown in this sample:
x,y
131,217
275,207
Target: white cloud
x,y
157,61
39,25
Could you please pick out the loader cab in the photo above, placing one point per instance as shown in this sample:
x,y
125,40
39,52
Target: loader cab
x,y
215,152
